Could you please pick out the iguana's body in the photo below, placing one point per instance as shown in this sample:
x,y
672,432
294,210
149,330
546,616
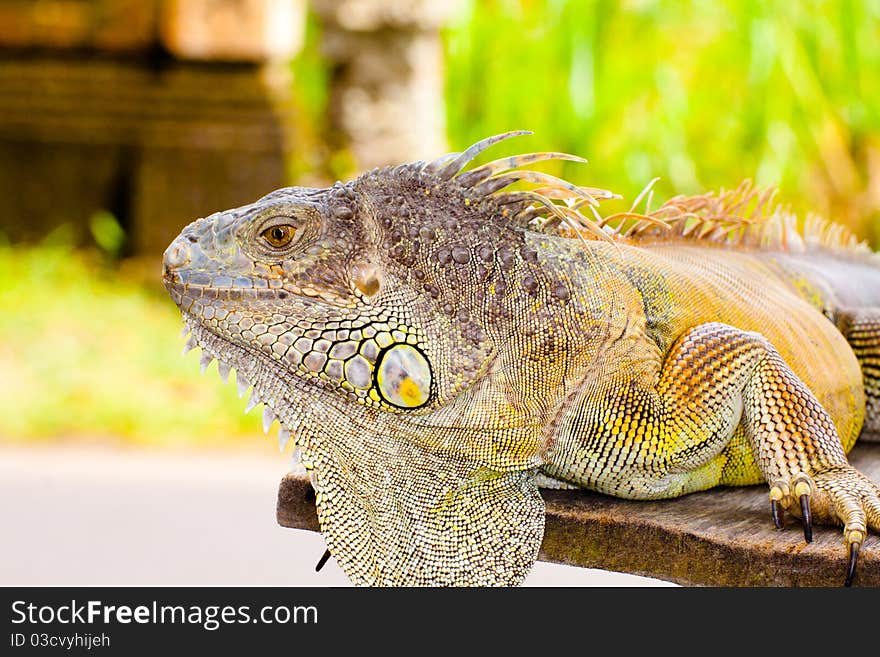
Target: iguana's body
x,y
668,289
435,344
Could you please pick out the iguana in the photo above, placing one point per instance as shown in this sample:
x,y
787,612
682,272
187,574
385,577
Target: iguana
x,y
440,345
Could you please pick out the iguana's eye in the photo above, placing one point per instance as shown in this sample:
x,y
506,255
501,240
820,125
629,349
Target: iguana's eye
x,y
279,236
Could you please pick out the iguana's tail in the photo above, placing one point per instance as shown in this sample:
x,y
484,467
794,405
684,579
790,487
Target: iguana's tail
x,y
861,327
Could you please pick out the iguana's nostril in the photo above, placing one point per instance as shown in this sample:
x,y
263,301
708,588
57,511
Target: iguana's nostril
x,y
177,255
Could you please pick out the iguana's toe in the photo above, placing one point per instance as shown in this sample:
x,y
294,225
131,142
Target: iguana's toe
x,y
844,496
785,494
779,493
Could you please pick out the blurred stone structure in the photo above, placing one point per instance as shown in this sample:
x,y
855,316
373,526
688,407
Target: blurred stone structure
x,y
387,97
160,111
163,111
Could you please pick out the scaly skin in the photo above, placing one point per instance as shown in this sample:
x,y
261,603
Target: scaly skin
x,y
436,345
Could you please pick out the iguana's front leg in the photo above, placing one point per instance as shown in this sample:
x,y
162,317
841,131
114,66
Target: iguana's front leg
x,y
724,408
794,440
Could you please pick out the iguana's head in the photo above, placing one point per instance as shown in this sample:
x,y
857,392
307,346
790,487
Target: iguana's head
x,y
376,292
371,303
298,284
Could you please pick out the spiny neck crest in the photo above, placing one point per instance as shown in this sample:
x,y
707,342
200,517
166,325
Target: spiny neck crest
x,y
745,217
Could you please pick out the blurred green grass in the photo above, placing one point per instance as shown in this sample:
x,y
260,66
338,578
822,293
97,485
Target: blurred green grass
x,y
91,352
701,94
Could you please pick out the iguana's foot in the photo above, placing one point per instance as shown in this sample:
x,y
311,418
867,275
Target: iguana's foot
x,y
839,495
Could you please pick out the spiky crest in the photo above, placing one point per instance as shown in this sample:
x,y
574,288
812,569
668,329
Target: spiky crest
x,y
744,217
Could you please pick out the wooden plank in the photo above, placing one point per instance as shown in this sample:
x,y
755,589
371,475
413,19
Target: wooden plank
x,y
231,30
85,100
158,147
721,537
105,25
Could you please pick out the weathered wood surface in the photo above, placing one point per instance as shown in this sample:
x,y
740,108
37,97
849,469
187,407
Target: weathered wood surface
x,y
722,537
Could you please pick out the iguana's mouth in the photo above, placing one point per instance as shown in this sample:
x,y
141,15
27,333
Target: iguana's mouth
x,y
187,289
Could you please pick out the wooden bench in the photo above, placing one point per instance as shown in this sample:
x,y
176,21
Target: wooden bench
x,y
721,537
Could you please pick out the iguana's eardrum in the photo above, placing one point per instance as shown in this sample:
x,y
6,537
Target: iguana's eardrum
x,y
434,341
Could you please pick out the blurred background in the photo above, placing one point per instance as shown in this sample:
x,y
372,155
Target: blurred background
x,y
123,120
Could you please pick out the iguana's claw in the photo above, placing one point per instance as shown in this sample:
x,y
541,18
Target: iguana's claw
x,y
777,513
782,496
851,566
807,518
322,561
779,493
802,488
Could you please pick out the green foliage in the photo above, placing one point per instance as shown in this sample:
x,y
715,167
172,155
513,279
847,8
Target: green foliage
x,y
107,233
311,75
702,94
90,353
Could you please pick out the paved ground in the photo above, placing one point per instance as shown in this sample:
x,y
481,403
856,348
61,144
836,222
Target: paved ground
x,y
92,516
